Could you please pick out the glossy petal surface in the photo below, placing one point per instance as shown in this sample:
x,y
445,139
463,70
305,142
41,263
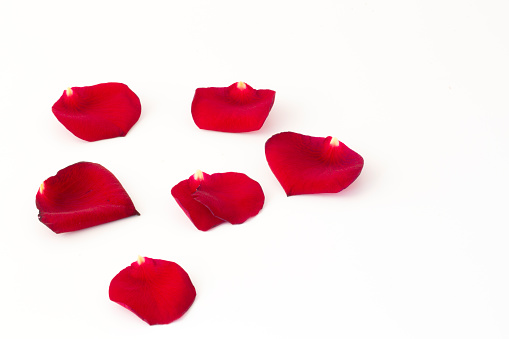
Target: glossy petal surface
x,y
219,197
98,112
82,195
237,108
304,165
157,291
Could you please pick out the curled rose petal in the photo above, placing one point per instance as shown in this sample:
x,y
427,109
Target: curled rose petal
x,y
200,215
304,165
98,112
237,108
82,195
209,200
157,291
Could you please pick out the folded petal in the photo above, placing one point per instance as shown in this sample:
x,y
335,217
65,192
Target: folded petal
x,y
98,112
237,108
304,165
157,291
82,195
231,196
199,214
209,200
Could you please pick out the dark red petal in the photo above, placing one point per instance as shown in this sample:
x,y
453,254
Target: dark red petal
x,y
80,196
237,108
303,164
230,196
98,112
200,215
157,291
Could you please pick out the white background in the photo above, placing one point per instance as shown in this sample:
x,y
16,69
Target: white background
x,y
417,247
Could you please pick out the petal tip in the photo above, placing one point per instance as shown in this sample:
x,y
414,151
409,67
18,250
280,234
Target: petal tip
x,y
198,175
241,85
334,142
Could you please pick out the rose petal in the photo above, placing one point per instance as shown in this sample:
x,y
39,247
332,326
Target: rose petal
x,y
200,215
209,200
237,108
98,112
80,196
231,196
304,165
157,291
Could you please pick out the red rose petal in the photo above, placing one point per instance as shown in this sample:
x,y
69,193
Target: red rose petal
x,y
304,165
98,112
231,196
209,200
157,291
237,108
200,215
80,196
